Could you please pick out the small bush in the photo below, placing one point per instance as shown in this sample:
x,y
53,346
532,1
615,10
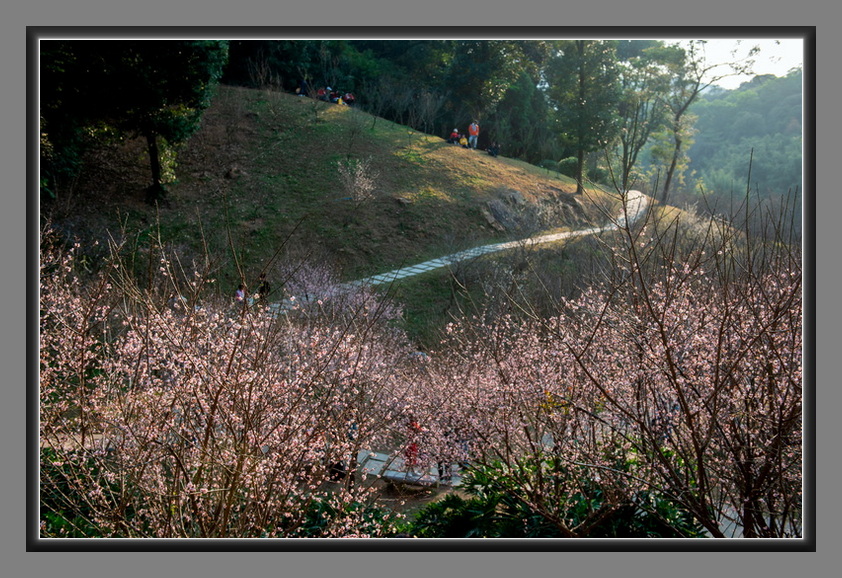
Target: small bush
x,y
358,178
567,166
497,510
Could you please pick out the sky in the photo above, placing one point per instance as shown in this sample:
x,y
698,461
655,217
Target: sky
x,y
775,57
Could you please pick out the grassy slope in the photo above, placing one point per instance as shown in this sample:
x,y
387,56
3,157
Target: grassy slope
x,y
283,151
262,169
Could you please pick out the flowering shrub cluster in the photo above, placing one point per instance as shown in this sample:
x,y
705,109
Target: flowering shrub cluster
x,y
195,419
680,374
668,395
358,178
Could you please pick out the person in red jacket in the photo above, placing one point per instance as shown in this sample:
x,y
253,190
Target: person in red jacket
x,y
473,133
410,452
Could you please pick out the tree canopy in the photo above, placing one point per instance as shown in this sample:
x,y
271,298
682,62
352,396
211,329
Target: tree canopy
x,y
584,86
763,115
151,88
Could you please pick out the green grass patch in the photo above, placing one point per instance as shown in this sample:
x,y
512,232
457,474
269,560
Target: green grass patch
x,y
430,302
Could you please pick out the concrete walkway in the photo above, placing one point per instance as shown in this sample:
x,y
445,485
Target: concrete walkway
x,y
393,469
636,205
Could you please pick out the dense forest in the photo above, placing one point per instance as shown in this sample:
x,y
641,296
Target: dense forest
x,y
763,116
640,380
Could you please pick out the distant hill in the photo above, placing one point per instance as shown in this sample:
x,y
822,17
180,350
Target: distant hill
x,y
758,123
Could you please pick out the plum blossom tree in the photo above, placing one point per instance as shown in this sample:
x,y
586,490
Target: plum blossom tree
x,y
674,379
680,375
191,418
358,178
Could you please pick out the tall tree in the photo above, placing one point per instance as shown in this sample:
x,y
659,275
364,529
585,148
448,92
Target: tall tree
x,y
479,72
644,81
583,84
165,87
691,74
521,120
156,89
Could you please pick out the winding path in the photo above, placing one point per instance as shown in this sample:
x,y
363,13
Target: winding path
x,y
635,206
391,467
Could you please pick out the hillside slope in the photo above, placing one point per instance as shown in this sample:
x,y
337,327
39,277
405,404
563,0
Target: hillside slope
x,y
260,177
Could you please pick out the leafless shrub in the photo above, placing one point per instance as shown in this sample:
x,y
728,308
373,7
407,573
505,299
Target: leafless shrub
x,y
358,178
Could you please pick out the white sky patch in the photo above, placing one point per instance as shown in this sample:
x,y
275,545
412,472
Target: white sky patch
x,y
776,56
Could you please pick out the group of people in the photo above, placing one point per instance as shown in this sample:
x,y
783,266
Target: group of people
x,y
469,141
263,290
458,138
327,94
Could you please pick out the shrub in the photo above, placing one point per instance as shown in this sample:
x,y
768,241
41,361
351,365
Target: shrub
x,y
498,510
567,166
201,418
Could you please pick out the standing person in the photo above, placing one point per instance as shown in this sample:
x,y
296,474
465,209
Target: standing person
x,y
410,452
240,293
443,463
473,133
263,288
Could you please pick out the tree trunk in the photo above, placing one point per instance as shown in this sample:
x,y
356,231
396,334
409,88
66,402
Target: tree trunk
x,y
673,164
155,192
580,48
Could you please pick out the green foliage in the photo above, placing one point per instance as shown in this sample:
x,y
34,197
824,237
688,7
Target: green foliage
x,y
276,63
763,116
479,75
585,90
567,166
521,121
63,514
489,514
496,508
319,514
775,165
151,88
410,62
584,85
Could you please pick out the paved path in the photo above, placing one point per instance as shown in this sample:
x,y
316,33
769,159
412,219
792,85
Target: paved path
x,y
393,469
636,204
